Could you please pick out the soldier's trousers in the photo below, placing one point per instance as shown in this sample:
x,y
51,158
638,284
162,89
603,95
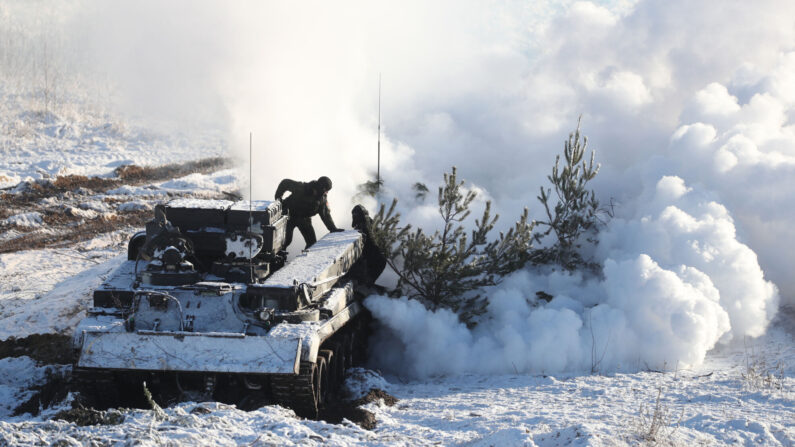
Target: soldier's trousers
x,y
304,225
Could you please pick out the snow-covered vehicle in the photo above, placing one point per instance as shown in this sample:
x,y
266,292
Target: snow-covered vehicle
x,y
206,303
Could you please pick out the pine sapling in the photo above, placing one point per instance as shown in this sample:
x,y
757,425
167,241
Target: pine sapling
x,y
576,213
447,268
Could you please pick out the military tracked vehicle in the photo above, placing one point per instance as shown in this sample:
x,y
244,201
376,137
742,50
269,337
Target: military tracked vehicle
x,y
207,306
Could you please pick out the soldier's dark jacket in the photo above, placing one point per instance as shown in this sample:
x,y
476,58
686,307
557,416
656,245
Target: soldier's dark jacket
x,y
303,203
372,262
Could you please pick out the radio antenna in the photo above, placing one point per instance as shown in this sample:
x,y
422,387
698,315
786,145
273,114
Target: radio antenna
x,y
250,208
378,171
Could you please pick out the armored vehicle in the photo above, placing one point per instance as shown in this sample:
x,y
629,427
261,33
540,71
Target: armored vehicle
x,y
207,306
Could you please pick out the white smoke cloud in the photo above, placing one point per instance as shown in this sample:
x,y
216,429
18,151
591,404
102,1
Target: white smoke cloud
x,y
676,281
681,229
698,121
745,153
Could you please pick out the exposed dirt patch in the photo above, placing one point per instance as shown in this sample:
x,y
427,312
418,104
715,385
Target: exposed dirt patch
x,y
67,204
350,410
133,173
57,217
47,349
55,389
72,182
128,174
89,416
198,409
336,413
35,191
375,395
75,230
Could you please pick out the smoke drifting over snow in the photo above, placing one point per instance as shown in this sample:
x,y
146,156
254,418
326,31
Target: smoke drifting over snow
x,y
676,282
690,107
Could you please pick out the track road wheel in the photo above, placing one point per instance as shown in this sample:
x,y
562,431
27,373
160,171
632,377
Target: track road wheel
x,y
331,369
322,388
348,343
97,389
338,365
304,392
359,346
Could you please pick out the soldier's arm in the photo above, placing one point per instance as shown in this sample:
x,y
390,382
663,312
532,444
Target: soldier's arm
x,y
325,216
286,185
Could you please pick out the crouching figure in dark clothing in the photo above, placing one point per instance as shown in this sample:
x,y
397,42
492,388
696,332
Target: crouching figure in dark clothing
x,y
372,262
306,199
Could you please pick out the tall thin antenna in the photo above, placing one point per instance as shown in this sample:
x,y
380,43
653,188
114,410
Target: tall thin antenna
x,y
378,171
250,207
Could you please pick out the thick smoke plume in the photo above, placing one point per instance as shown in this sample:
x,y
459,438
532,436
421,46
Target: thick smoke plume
x,y
676,282
691,119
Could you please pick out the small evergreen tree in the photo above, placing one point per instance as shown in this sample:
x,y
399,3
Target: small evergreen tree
x,y
420,191
446,268
369,188
576,213
387,232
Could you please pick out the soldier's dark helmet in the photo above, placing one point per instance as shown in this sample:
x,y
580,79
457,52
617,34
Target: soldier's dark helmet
x,y
359,216
324,183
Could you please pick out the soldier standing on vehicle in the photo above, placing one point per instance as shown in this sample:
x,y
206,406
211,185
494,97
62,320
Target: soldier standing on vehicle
x,y
306,199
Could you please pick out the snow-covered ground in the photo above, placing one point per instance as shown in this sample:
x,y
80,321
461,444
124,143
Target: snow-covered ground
x,y
716,404
45,144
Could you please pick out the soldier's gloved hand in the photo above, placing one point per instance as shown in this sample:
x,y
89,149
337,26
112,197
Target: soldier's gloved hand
x,y
337,230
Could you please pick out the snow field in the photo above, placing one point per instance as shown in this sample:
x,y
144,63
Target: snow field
x,y
709,405
604,410
221,426
94,151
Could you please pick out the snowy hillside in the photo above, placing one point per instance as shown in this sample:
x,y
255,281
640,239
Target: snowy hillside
x,y
39,144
